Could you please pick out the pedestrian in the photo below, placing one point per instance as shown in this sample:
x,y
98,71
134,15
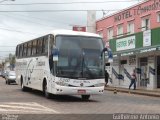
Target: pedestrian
x,y
106,77
133,79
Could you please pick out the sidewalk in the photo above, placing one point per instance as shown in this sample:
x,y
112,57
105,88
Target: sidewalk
x,y
154,93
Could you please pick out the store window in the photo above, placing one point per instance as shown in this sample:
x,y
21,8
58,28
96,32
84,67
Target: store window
x,y
130,28
120,30
158,17
145,24
110,33
123,62
144,72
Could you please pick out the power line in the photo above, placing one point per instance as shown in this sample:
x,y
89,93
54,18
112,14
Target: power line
x,y
41,19
16,31
57,10
62,3
26,16
66,10
30,21
6,0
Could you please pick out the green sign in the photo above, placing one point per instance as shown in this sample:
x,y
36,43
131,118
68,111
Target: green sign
x,y
125,43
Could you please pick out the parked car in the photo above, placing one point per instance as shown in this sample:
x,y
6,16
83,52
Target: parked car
x,y
10,77
4,74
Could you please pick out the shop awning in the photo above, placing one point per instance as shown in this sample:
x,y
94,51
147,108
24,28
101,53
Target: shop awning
x,y
137,51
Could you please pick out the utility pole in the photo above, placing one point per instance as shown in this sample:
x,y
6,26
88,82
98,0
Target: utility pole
x,y
91,21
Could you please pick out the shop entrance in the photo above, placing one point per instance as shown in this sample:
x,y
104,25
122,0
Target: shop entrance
x,y
158,72
144,72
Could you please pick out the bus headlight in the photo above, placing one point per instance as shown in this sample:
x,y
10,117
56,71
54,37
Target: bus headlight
x,y
99,85
62,83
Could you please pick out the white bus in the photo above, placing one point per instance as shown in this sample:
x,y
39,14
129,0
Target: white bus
x,y
63,62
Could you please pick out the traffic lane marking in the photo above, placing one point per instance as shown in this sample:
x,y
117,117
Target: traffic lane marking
x,y
30,107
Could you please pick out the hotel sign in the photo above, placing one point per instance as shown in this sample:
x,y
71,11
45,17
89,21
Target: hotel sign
x,y
139,10
125,43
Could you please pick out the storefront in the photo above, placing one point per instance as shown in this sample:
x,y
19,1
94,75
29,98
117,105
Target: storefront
x,y
134,37
135,52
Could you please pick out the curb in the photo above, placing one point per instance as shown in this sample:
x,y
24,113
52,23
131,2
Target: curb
x,y
134,92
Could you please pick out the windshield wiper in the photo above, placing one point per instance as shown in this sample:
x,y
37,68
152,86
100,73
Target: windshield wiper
x,y
87,70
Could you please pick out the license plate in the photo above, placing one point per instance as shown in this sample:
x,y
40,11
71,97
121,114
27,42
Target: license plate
x,y
81,91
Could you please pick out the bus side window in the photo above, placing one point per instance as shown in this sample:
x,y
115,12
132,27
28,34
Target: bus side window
x,y
17,51
45,45
34,46
51,43
39,46
21,50
25,50
51,63
29,49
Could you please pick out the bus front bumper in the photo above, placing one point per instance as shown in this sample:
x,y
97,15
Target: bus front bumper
x,y
64,90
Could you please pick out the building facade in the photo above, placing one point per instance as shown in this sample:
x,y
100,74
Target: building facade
x,y
133,34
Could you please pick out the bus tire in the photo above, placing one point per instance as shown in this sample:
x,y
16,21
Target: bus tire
x,y
23,88
45,90
8,82
85,97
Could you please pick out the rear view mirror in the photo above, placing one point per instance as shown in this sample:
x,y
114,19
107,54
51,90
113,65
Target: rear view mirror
x,y
55,54
109,54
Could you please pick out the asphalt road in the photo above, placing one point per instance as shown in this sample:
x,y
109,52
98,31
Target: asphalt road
x,y
13,100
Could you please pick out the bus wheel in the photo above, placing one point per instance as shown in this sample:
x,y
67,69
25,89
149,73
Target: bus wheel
x,y
85,97
23,88
6,82
45,89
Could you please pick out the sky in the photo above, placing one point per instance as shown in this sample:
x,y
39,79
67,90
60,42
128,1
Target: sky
x,y
18,27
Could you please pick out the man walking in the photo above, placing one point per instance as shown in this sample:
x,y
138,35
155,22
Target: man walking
x,y
133,79
106,77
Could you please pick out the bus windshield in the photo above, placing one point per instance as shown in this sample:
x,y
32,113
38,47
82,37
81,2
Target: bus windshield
x,y
79,57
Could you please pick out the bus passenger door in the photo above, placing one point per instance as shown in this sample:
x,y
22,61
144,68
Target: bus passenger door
x,y
34,73
38,75
30,71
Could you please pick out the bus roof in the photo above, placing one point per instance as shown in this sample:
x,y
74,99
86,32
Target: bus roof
x,y
76,33
68,32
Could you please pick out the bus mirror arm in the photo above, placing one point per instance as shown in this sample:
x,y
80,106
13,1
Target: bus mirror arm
x,y
55,54
104,50
110,55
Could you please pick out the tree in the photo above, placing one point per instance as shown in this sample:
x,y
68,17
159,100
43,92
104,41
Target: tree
x,y
11,60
